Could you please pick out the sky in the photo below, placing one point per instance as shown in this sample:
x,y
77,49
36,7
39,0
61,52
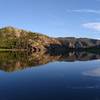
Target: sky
x,y
56,18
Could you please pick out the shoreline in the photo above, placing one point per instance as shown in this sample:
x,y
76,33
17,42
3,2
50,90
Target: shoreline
x,y
13,50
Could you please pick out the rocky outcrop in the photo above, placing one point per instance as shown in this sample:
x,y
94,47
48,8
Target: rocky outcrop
x,y
78,43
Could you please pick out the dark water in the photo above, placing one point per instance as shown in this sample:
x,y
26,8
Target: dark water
x,y
71,76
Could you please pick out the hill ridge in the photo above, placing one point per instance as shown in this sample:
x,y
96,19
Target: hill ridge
x,y
15,38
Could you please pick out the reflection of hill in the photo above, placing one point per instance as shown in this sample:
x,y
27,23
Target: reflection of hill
x,y
13,61
81,56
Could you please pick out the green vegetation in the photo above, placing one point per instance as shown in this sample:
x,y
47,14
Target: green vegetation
x,y
12,38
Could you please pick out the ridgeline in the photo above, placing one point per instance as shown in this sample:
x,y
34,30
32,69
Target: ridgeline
x,y
13,39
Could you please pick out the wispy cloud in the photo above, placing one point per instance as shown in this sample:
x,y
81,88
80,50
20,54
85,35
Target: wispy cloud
x,y
85,11
92,25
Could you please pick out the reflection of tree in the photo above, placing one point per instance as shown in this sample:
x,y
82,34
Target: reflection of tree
x,y
13,61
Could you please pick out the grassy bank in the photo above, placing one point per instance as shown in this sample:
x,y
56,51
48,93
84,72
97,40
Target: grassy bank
x,y
12,49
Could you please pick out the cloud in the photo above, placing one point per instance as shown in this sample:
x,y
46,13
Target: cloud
x,y
92,25
85,11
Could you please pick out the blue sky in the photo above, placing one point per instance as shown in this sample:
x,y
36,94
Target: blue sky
x,y
67,18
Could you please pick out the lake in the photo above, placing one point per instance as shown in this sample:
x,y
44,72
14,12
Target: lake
x,y
37,76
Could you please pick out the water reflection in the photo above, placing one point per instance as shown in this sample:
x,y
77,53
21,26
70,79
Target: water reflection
x,y
13,61
93,73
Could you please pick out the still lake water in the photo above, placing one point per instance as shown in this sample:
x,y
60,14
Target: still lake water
x,y
49,77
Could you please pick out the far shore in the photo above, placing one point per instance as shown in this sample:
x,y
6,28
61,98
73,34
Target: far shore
x,y
13,49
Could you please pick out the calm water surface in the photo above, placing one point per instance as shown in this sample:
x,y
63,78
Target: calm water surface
x,y
49,77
